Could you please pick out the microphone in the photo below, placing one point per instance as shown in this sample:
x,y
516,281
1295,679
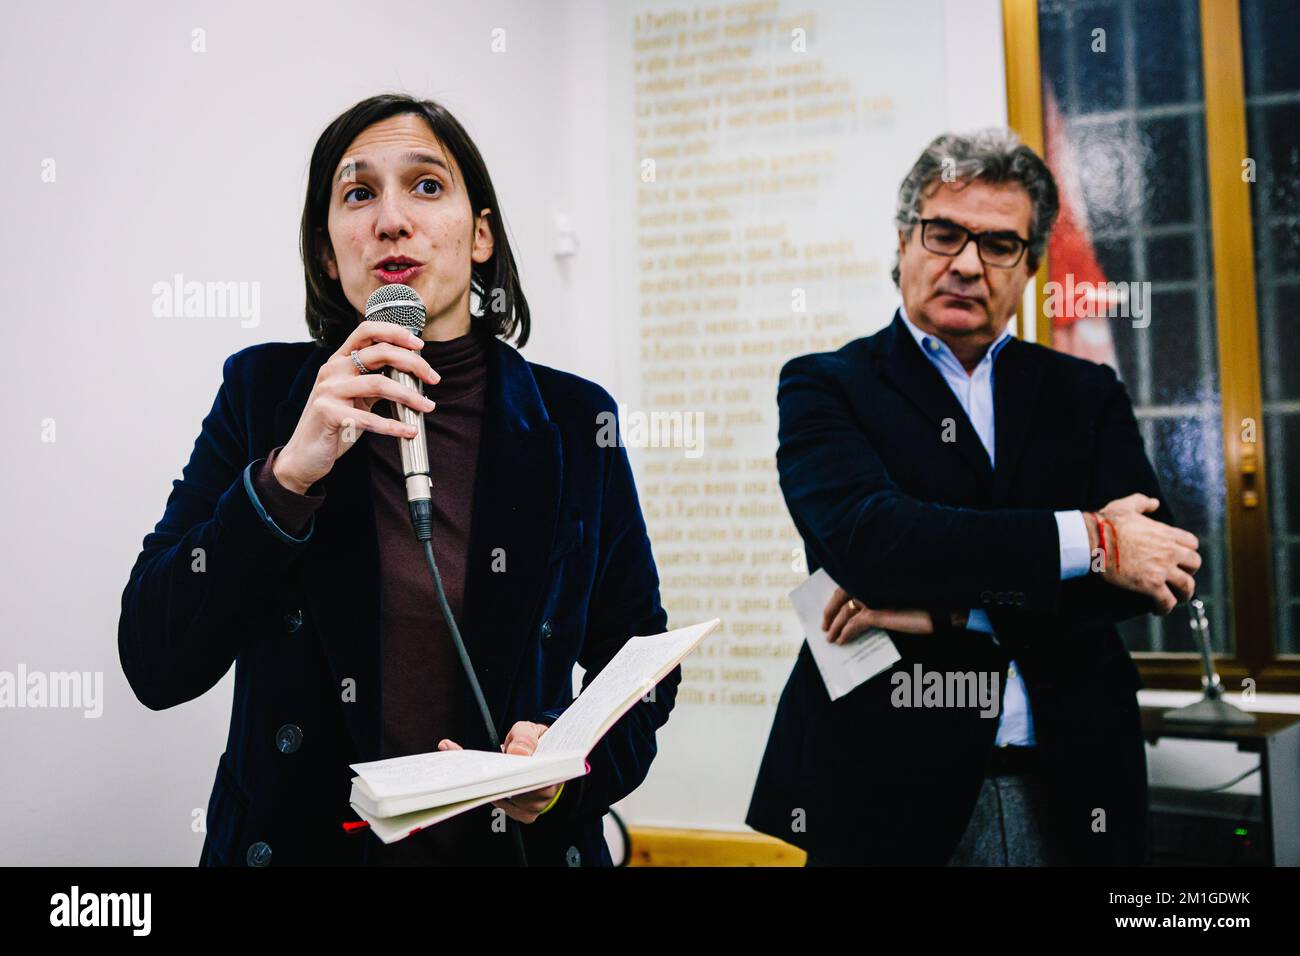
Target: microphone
x,y
402,305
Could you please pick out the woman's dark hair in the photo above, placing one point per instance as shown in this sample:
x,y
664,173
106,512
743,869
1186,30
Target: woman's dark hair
x,y
503,310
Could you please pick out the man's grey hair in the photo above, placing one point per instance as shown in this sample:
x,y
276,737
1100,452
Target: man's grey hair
x,y
994,155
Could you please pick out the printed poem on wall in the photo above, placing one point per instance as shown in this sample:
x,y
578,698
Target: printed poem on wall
x,y
746,255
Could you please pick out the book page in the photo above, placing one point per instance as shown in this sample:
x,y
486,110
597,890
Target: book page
x,y
438,770
392,829
640,664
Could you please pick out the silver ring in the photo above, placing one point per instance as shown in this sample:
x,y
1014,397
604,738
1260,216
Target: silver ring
x,y
359,364
853,606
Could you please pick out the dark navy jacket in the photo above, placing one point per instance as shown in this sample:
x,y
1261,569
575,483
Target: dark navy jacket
x,y
298,618
902,518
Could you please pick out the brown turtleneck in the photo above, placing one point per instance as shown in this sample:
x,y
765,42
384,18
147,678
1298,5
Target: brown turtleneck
x,y
423,688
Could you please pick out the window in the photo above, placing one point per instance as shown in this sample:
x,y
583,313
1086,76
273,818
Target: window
x,y
1175,156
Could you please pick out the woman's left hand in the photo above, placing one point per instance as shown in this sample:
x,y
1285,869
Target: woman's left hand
x,y
522,739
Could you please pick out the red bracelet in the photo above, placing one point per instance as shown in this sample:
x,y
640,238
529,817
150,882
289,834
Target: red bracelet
x,y
1101,535
1115,538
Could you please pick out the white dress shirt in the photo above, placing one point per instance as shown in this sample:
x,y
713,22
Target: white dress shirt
x,y
974,390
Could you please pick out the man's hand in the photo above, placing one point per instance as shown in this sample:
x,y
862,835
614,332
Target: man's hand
x,y
522,739
1150,557
845,618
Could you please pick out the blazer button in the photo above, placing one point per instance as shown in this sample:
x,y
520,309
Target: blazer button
x,y
288,738
573,857
293,621
259,854
546,631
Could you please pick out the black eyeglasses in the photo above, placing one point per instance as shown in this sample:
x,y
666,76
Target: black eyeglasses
x,y
1001,250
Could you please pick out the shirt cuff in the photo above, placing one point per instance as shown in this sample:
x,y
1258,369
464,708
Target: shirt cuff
x,y
290,515
1076,556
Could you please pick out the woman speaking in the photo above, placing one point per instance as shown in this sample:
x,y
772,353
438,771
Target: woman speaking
x,y
289,551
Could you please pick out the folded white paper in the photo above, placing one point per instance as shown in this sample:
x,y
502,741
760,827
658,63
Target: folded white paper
x,y
843,667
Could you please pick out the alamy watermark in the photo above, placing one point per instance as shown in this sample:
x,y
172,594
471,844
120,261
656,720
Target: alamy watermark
x,y
1091,300
922,688
179,299
76,908
651,430
73,690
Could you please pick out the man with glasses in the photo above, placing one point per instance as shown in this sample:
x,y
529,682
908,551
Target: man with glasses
x,y
989,503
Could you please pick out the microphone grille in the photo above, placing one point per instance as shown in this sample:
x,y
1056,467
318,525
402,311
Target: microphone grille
x,y
397,303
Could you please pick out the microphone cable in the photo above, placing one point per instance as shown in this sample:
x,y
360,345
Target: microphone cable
x,y
422,519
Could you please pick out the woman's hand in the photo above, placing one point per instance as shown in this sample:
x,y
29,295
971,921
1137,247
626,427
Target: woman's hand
x,y
522,739
845,618
340,401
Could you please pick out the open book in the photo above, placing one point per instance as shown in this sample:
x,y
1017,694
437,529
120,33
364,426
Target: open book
x,y
402,795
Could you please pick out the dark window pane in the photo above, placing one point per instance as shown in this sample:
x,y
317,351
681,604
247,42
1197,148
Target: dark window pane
x,y
1271,58
1115,256
1170,258
1285,239
1127,356
1180,462
1269,30
1099,76
1169,71
1289,455
1280,155
1176,332
1051,32
1279,341
1166,169
1292,554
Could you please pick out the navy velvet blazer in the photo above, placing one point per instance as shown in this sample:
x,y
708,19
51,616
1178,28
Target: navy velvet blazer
x,y
296,620
902,518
